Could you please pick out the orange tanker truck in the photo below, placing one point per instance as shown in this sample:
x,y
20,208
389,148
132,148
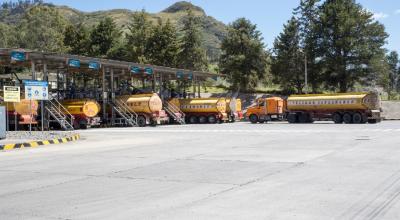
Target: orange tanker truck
x,y
85,112
266,109
202,110
346,108
148,107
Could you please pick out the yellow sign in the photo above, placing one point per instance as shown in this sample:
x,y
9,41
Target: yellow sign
x,y
11,94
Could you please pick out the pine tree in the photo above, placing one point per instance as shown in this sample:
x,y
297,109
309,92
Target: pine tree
x,y
162,46
139,31
104,37
7,36
288,60
307,14
243,58
76,39
350,42
393,63
192,55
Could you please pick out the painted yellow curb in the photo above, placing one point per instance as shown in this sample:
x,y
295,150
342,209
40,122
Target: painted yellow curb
x,y
39,143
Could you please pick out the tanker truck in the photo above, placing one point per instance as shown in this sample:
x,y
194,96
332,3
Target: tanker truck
x,y
202,110
357,108
84,112
266,109
147,107
234,109
25,112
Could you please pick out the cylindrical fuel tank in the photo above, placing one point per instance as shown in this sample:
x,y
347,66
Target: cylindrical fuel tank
x,y
343,101
201,105
87,107
233,105
142,103
23,108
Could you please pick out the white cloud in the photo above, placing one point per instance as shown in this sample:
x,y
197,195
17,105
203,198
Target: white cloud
x,y
379,15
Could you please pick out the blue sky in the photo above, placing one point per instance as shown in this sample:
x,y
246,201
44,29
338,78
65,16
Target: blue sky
x,y
269,15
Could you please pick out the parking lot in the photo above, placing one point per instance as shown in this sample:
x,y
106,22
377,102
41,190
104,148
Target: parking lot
x,y
224,171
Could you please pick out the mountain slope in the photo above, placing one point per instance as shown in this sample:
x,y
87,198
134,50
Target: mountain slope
x,y
213,31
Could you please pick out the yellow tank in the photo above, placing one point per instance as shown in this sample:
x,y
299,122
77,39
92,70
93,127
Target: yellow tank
x,y
201,105
87,107
142,103
22,107
238,105
343,101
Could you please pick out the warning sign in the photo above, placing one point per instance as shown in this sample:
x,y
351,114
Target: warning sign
x,y
12,94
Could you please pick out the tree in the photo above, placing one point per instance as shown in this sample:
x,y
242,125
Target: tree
x,y
192,55
243,58
349,43
7,36
103,37
393,64
76,39
288,60
138,34
307,14
42,28
162,46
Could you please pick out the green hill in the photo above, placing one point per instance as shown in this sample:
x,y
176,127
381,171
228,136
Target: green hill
x,y
213,30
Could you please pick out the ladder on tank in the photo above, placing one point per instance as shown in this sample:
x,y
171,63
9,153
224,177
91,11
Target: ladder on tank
x,y
174,112
59,114
128,117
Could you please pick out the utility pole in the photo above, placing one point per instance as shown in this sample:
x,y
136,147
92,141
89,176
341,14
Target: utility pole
x,y
305,73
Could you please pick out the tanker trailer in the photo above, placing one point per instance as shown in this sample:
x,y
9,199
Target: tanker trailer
x,y
234,109
84,111
358,108
202,110
148,107
25,111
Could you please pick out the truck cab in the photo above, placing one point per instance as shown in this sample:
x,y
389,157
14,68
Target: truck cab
x,y
266,109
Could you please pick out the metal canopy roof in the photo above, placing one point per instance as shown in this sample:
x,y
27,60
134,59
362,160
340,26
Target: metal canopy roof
x,y
61,61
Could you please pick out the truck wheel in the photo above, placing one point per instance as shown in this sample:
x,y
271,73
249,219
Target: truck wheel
x,y
372,121
357,118
292,118
193,119
141,121
212,119
337,118
304,118
347,118
253,119
202,119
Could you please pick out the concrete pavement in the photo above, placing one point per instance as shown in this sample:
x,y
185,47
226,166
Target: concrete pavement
x,y
224,171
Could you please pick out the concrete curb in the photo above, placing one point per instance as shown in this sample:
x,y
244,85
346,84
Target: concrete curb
x,y
39,143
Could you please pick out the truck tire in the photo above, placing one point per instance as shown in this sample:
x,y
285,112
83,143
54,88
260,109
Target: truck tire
x,y
292,118
193,119
141,121
304,118
357,118
347,118
253,118
337,118
212,119
202,119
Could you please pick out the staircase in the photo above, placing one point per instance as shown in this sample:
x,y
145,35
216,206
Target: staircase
x,y
59,114
127,116
174,112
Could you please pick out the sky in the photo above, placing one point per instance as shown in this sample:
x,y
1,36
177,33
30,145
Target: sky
x,y
269,15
